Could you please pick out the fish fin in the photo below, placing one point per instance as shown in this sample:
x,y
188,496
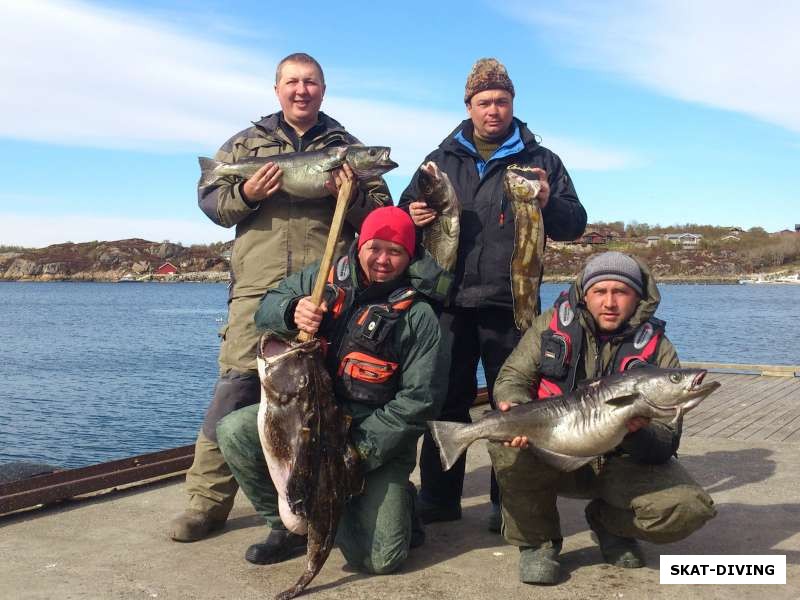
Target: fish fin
x,y
622,400
450,440
562,462
207,166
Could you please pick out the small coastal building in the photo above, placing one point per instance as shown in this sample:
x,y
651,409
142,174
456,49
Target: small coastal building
x,y
167,269
593,238
687,240
653,240
731,237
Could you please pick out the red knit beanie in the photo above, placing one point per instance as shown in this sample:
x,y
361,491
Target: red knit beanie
x,y
390,224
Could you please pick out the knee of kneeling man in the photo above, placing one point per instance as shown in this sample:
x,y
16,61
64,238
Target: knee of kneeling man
x,y
386,562
681,515
226,430
699,509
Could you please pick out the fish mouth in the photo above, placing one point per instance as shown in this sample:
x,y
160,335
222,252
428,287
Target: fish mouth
x,y
698,390
695,394
385,162
273,349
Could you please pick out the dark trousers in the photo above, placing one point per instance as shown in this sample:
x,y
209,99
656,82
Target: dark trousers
x,y
488,334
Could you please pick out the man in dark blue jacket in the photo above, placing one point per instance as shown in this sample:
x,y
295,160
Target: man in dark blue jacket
x,y
480,313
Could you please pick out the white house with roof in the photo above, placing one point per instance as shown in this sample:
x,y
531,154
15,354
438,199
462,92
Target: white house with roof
x,y
686,240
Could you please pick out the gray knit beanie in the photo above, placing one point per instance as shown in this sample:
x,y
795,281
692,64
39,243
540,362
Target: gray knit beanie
x,y
615,266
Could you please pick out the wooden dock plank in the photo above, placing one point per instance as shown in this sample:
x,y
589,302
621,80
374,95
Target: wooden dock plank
x,y
757,411
786,430
751,407
738,407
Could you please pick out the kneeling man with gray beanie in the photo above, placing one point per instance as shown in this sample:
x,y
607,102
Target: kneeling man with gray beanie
x,y
604,323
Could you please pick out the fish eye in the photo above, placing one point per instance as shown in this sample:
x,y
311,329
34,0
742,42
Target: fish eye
x,y
372,151
675,377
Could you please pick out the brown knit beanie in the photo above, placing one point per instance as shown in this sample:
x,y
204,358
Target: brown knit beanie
x,y
487,74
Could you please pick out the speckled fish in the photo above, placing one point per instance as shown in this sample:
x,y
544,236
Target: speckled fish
x,y
304,173
304,436
522,185
440,237
569,431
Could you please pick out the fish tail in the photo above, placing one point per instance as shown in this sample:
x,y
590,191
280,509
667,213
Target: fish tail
x,y
207,167
452,439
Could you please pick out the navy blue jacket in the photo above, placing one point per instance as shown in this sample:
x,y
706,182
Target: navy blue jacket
x,y
486,242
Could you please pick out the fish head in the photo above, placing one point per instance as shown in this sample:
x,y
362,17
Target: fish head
x,y
521,185
671,391
431,185
284,369
369,161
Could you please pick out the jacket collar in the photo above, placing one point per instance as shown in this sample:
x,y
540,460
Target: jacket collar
x,y
270,125
460,142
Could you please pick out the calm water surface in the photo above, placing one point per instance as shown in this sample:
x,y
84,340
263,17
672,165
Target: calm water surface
x,y
93,372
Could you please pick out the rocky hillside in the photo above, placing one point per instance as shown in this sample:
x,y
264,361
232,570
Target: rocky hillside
x,y
716,258
110,261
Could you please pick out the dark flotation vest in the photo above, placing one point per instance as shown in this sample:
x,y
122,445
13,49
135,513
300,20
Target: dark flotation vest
x,y
563,339
362,351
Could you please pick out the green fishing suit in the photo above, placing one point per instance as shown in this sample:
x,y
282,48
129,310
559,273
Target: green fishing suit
x,y
374,532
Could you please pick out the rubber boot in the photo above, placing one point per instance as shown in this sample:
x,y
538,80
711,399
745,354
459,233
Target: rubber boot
x,y
279,546
616,550
540,565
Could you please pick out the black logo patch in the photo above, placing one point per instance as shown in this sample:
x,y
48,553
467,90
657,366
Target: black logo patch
x,y
644,335
343,269
565,313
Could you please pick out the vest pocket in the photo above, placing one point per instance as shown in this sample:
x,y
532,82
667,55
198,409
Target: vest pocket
x,y
366,368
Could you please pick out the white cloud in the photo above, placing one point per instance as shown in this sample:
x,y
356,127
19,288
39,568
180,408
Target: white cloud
x,y
39,231
580,156
729,54
82,75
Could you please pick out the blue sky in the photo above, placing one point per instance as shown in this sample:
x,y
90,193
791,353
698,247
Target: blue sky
x,y
663,112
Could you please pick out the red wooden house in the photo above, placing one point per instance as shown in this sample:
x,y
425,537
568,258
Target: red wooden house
x,y
167,269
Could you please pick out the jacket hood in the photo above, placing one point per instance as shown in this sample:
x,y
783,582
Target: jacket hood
x,y
423,274
644,310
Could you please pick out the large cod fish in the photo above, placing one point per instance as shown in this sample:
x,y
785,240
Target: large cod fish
x,y
304,436
569,431
440,237
521,186
304,173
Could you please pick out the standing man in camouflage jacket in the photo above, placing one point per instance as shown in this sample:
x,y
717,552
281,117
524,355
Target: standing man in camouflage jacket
x,y
277,234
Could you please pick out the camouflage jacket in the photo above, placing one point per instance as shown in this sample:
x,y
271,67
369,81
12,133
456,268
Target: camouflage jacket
x,y
520,373
283,233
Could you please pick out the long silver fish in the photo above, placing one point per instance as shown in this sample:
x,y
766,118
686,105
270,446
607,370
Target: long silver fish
x,y
304,437
569,431
304,173
521,186
440,237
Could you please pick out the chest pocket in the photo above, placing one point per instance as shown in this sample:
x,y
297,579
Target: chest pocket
x,y
369,362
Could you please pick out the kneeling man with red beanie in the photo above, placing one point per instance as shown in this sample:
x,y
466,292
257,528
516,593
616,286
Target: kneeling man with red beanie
x,y
383,356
